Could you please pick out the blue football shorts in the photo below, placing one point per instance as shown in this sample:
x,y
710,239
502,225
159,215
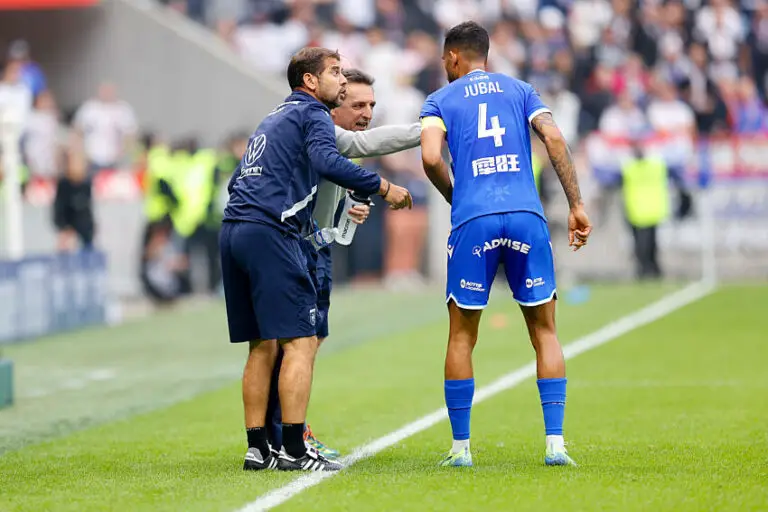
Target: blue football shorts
x,y
268,288
518,240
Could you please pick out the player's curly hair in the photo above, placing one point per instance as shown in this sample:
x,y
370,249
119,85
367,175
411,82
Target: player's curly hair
x,y
308,60
468,37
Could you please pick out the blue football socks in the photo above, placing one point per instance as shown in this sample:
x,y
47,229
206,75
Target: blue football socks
x,y
552,393
458,400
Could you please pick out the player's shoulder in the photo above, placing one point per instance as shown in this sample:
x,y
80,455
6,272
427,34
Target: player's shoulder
x,y
440,94
513,85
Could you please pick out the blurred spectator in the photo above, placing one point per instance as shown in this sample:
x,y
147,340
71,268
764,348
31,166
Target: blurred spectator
x,y
647,30
719,26
587,20
598,96
107,127
668,114
350,43
673,65
31,73
282,35
633,78
452,12
43,136
382,57
163,265
674,120
15,96
623,120
565,107
430,74
73,204
758,42
507,53
699,91
360,14
609,52
391,18
749,112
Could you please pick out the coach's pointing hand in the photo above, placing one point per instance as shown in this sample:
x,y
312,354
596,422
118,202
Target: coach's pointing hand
x,y
397,197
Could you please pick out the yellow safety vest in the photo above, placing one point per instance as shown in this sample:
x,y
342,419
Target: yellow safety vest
x,y
23,178
646,191
159,167
536,165
193,186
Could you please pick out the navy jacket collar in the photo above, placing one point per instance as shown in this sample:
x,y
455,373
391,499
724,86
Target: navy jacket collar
x,y
303,96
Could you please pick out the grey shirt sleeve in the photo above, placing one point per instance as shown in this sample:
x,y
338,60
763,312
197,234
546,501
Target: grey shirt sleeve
x,y
378,141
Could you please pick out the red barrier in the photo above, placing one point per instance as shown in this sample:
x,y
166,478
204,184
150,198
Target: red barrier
x,y
23,5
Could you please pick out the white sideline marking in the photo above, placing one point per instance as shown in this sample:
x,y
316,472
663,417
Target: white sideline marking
x,y
628,323
74,383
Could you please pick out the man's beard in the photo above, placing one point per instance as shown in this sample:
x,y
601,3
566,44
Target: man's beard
x,y
335,101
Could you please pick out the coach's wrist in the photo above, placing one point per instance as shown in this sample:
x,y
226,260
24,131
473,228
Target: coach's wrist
x,y
384,187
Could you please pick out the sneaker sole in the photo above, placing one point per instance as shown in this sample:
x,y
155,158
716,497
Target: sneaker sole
x,y
249,465
559,462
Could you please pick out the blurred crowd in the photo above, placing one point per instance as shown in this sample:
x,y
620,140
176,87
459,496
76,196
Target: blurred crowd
x,y
610,65
624,69
674,72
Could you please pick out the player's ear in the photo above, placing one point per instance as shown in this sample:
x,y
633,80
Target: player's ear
x,y
310,81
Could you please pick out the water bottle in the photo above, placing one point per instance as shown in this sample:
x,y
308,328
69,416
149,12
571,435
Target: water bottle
x,y
322,237
346,227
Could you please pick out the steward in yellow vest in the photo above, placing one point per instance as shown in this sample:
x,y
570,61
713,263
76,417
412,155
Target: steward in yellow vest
x,y
194,176
645,188
159,198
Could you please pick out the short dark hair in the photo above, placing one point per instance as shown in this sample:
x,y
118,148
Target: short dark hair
x,y
355,76
468,37
308,60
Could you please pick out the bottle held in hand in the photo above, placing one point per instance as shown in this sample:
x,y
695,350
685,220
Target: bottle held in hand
x,y
346,227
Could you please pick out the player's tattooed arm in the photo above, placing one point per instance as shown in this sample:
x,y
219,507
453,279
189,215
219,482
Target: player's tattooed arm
x,y
546,129
579,227
432,160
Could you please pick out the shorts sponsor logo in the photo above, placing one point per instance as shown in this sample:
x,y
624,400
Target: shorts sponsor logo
x,y
531,283
313,316
471,286
490,245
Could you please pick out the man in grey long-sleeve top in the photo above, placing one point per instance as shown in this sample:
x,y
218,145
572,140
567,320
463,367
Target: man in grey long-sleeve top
x,y
354,141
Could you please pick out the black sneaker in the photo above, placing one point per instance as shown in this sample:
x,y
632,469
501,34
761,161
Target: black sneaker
x,y
311,461
255,462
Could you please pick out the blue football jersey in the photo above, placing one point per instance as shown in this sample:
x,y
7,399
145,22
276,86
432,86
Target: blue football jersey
x,y
486,117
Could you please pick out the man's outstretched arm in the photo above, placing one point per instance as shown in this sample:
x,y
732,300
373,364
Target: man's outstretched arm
x,y
546,129
383,140
432,159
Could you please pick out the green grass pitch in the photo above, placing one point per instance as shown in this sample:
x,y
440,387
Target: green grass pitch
x,y
147,416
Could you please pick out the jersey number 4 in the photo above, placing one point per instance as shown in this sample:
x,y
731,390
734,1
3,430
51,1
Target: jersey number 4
x,y
496,131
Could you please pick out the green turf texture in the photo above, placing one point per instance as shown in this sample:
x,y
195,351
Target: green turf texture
x,y
671,416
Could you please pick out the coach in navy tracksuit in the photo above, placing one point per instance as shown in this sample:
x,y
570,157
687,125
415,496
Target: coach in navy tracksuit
x,y
269,291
